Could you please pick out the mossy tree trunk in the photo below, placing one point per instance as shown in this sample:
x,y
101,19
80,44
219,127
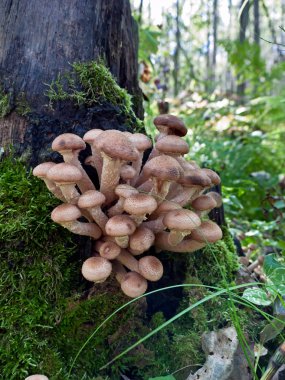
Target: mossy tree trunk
x,y
38,41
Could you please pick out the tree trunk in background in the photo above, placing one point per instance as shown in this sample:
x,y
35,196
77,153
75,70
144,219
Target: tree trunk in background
x,y
215,31
271,27
177,50
256,22
208,57
242,37
39,40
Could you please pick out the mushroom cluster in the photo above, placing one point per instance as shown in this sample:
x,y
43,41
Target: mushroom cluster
x,y
160,203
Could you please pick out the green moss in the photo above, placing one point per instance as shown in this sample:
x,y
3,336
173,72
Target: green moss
x,y
92,83
22,105
5,107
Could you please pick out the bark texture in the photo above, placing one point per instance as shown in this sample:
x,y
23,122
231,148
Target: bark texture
x,y
40,38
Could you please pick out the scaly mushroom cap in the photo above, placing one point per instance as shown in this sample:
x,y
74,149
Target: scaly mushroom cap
x,y
164,207
140,204
208,232
142,239
195,178
181,220
91,198
36,377
127,172
96,269
214,177
68,141
163,167
120,225
134,285
175,126
116,145
217,197
151,268
65,213
172,145
64,173
204,202
41,170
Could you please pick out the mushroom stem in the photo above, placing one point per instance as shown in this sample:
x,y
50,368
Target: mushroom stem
x,y
128,260
119,270
155,225
110,177
84,229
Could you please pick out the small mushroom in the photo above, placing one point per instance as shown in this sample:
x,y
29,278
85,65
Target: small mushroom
x,y
132,283
180,223
107,249
155,221
139,205
203,204
208,232
127,174
66,177
169,125
151,268
40,171
141,240
95,160
123,191
92,200
36,377
69,145
66,215
186,245
96,269
120,227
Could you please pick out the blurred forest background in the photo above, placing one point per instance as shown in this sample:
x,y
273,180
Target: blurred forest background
x,y
220,65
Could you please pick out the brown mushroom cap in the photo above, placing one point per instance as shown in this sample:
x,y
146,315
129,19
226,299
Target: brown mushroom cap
x,y
164,207
214,177
133,284
140,204
64,173
208,232
65,213
151,268
36,377
123,190
91,198
204,202
67,141
141,240
217,197
120,225
141,141
172,145
195,177
174,124
42,169
109,250
163,167
127,172
96,269
91,135
181,220
116,145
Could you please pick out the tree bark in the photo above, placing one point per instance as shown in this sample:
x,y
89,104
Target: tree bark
x,y
244,18
177,49
39,40
215,32
256,22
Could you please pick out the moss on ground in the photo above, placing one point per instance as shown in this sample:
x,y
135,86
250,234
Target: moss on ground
x,y
91,83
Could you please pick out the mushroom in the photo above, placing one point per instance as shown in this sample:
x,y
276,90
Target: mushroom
x,y
180,223
169,125
107,249
69,145
162,170
66,215
208,232
36,377
96,269
66,176
203,204
141,240
92,200
123,191
217,197
128,260
116,149
132,283
127,174
120,227
40,171
151,268
142,143
155,221
172,146
186,245
95,160
139,205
